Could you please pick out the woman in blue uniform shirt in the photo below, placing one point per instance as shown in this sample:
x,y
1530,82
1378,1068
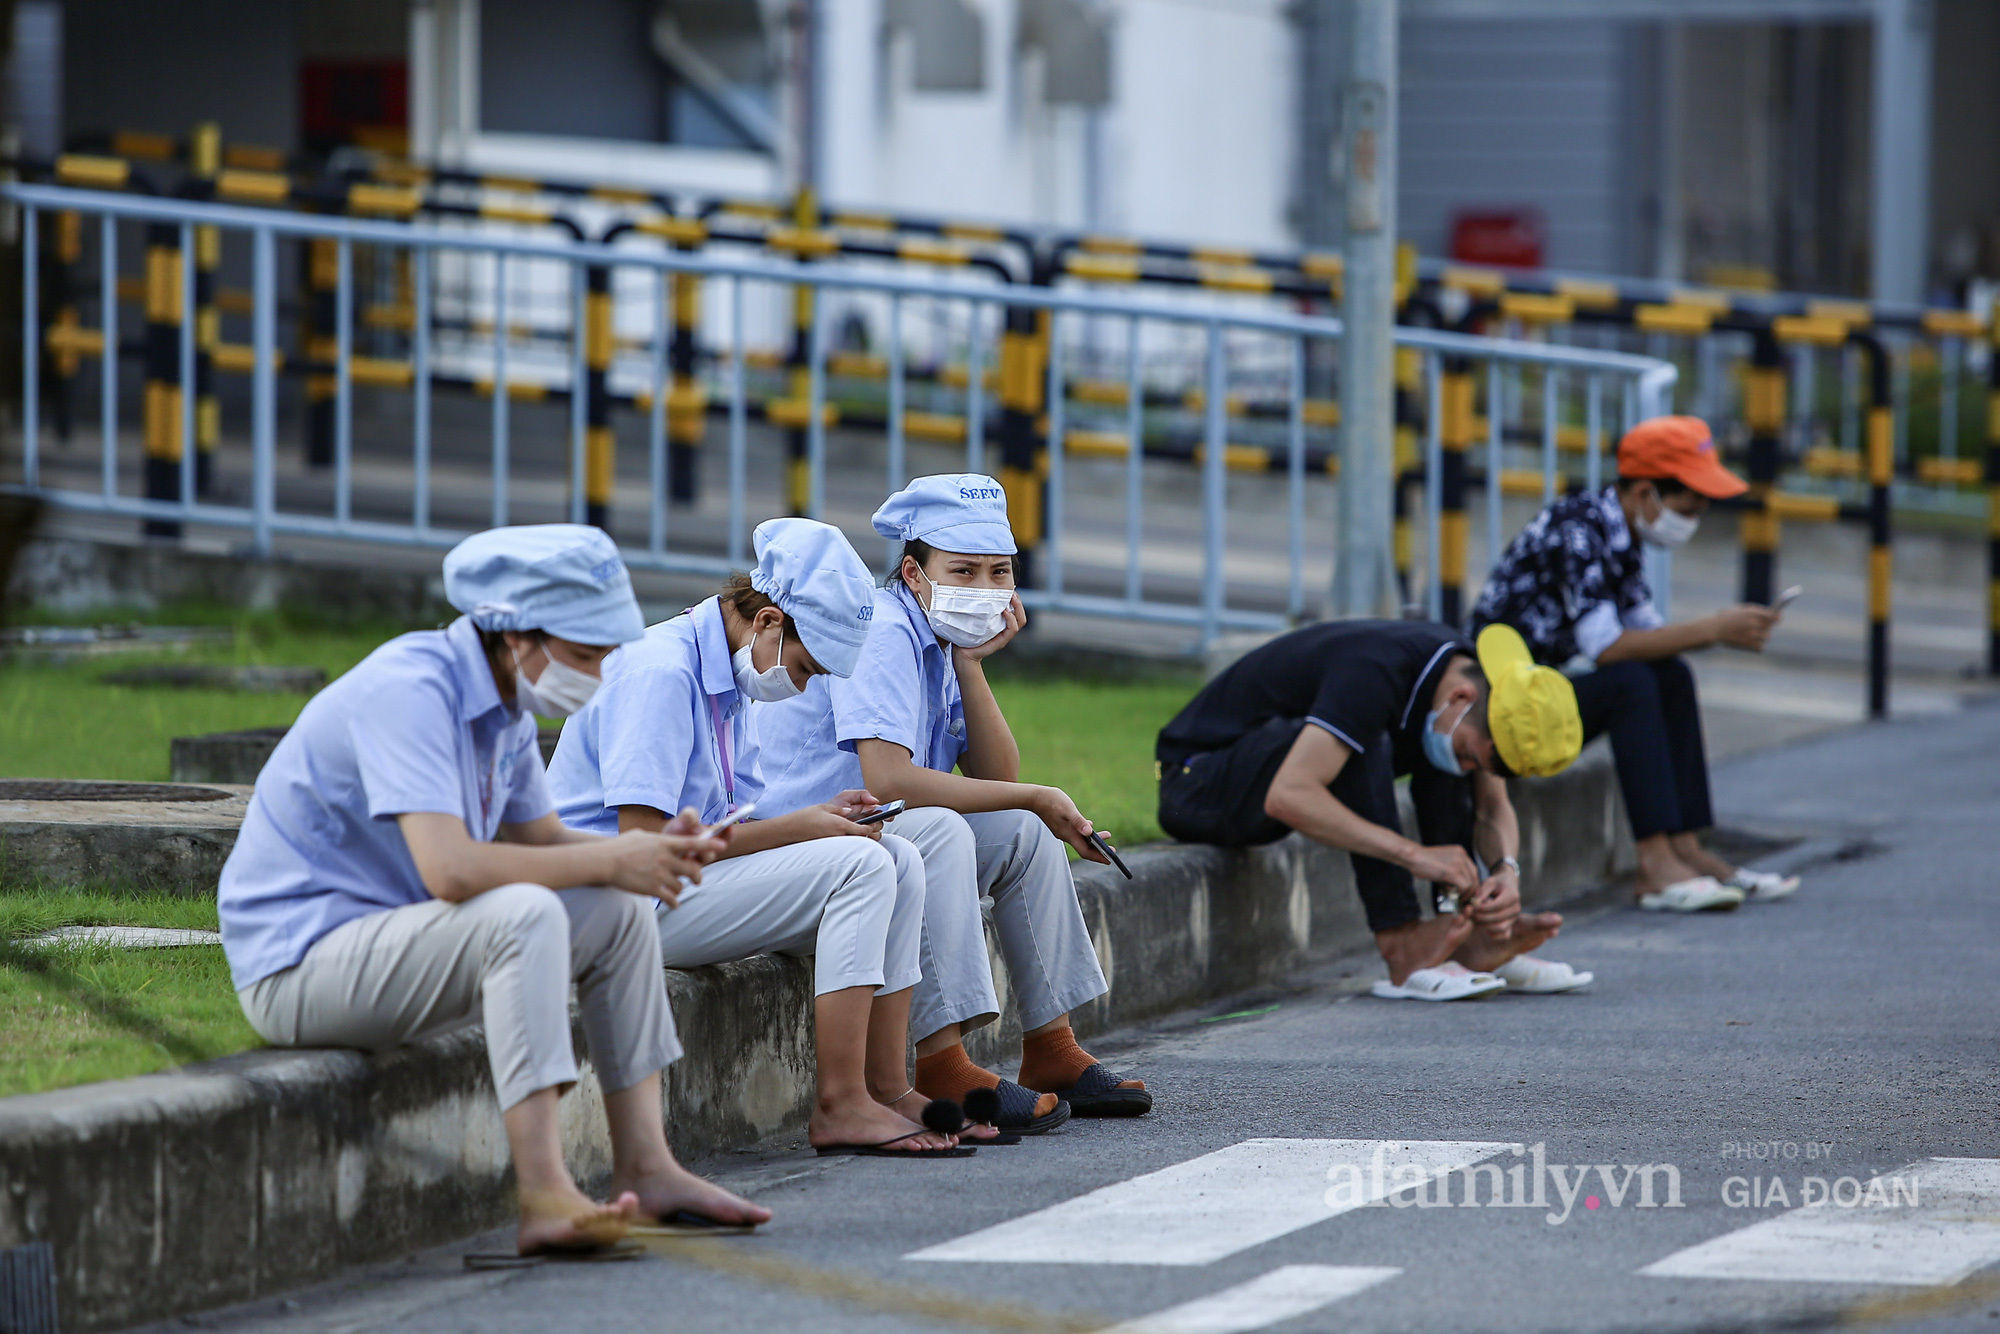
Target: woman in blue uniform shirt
x,y
367,902
666,733
916,707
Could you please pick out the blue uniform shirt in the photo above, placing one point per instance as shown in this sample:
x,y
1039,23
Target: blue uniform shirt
x,y
418,726
647,737
903,690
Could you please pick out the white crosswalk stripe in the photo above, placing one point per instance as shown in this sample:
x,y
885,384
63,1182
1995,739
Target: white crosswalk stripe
x,y
1866,1233
1282,1294
1216,1205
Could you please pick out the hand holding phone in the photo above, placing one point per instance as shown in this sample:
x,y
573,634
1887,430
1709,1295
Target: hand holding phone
x,y
740,813
1786,598
881,813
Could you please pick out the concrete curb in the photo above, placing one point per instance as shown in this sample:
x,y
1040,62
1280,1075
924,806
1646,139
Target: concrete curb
x,y
236,1178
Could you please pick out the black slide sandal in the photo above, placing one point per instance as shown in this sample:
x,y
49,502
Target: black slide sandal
x,y
1096,1093
564,1255
1013,1109
982,1108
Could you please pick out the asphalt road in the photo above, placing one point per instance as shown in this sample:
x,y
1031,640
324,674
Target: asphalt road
x,y
1846,1033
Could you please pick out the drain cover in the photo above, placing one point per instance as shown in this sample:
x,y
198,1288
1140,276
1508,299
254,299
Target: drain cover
x,y
53,789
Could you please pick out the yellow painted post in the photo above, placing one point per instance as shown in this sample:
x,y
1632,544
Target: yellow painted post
x,y
1454,436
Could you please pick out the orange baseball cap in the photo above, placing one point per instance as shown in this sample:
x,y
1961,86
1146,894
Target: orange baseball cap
x,y
1681,448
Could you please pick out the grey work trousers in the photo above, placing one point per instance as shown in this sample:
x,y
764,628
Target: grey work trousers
x,y
1012,858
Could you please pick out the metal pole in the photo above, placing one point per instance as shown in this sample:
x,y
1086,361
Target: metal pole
x,y
343,385
816,410
499,390
1593,458
1433,485
579,399
108,363
1214,480
1364,568
897,462
1495,451
1295,488
738,425
420,372
656,424
31,358
263,386
975,398
1058,433
1135,463
1551,407
187,375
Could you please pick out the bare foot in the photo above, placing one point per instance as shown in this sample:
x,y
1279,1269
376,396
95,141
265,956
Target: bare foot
x,y
666,1191
564,1220
869,1122
1659,866
1699,859
1483,953
1421,944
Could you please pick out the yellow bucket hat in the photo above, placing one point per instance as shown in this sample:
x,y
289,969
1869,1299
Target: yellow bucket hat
x,y
1532,710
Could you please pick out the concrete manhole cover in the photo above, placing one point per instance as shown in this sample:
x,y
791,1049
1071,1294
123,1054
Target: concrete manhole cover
x,y
51,789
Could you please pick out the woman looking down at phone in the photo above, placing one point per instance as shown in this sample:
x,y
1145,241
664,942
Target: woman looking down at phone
x,y
916,707
369,900
666,734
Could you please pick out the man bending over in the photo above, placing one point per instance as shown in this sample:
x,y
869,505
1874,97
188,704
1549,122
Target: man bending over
x,y
1310,733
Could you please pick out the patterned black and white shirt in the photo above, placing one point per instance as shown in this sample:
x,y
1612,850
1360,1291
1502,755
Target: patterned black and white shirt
x,y
1572,581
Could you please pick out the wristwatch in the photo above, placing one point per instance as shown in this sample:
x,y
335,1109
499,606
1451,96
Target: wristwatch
x,y
1510,863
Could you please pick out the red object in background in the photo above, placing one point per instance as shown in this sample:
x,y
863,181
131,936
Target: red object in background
x,y
363,102
1511,237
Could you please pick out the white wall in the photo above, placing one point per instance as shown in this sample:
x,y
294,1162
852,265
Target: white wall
x,y
1197,138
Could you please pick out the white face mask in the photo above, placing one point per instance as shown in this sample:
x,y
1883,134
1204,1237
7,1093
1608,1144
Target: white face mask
x,y
766,687
967,617
1671,530
560,690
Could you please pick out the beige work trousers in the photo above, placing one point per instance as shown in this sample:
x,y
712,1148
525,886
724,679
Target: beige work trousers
x,y
508,957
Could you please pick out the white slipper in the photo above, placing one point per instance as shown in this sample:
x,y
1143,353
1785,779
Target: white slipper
x,y
1540,977
1704,893
1764,886
1446,982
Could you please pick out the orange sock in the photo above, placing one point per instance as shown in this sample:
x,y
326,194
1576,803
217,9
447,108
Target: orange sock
x,y
1052,1062
951,1074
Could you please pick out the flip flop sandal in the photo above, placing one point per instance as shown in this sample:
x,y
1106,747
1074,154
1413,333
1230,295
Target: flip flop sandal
x,y
1011,1110
882,1150
1540,977
1704,893
564,1255
687,1223
940,1115
1446,982
1096,1093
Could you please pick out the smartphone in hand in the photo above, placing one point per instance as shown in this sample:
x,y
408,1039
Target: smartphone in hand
x,y
1103,845
881,813
740,813
1789,596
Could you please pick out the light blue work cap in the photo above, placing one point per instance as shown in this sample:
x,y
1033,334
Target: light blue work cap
x,y
811,572
565,579
965,512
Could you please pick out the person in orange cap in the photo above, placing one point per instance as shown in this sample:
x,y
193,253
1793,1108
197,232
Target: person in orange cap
x,y
1573,584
